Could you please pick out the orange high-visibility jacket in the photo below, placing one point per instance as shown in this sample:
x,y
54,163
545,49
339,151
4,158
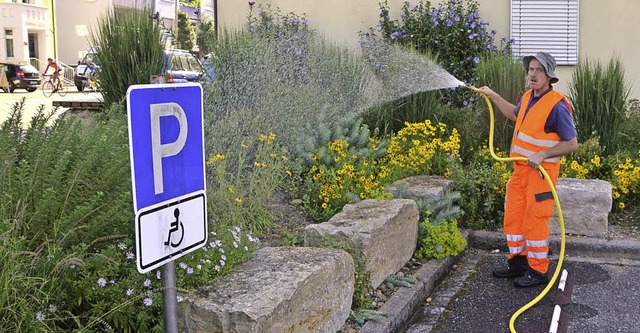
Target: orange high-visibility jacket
x,y
529,136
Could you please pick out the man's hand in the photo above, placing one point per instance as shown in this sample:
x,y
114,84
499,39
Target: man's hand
x,y
487,91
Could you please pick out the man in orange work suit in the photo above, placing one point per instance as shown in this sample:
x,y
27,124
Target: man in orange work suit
x,y
544,132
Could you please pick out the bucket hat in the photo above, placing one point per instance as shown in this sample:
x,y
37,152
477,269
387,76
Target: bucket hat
x,y
547,61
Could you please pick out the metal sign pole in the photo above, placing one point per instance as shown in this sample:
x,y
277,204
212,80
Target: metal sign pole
x,y
169,297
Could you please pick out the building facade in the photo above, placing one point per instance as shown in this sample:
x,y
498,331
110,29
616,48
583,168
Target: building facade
x,y
598,30
25,30
33,30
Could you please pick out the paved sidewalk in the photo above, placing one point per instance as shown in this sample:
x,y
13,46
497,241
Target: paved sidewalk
x,y
460,294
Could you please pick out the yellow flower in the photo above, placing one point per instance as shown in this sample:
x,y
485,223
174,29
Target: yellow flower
x,y
621,205
238,200
231,189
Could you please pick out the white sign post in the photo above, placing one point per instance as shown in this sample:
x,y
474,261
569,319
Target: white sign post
x,y
166,140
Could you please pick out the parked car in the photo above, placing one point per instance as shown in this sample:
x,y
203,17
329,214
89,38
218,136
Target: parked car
x,y
78,75
180,66
21,76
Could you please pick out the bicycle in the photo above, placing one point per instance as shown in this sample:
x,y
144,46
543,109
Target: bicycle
x,y
48,87
90,84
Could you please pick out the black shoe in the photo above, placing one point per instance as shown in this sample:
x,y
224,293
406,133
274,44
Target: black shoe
x,y
508,272
516,267
530,279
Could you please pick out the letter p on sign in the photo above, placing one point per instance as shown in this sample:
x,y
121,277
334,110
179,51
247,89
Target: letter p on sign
x,y
159,150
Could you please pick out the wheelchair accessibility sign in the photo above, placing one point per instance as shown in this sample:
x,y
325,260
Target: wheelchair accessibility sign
x,y
166,140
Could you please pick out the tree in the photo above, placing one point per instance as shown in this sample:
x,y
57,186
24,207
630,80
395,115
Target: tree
x,y
206,35
186,33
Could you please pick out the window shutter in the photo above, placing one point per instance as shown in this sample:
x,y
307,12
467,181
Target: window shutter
x,y
546,25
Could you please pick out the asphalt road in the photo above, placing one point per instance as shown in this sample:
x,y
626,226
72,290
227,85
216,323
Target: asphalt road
x,y
605,298
34,99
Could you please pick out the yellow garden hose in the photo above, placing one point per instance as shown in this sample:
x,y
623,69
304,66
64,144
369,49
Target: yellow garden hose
x,y
557,202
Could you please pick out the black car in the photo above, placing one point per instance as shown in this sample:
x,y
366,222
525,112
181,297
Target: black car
x,y
21,76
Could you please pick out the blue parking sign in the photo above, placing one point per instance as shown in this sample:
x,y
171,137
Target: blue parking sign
x,y
166,140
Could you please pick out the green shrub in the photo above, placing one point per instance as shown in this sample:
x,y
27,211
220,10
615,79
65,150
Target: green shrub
x,y
482,184
186,34
242,180
131,50
340,175
454,31
422,149
598,96
441,241
629,138
390,117
509,79
280,78
585,162
624,171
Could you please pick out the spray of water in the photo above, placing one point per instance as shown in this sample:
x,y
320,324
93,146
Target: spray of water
x,y
289,85
403,72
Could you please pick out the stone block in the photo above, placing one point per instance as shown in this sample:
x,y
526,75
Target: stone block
x,y
278,290
425,188
386,231
585,204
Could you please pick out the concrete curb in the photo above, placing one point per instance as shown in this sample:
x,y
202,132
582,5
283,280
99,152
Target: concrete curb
x,y
405,301
575,246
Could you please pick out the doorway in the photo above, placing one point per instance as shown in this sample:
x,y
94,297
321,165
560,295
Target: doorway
x,y
33,49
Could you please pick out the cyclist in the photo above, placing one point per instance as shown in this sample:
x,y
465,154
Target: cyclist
x,y
91,68
57,69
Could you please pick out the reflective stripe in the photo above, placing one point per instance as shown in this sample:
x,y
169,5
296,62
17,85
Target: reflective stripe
x,y
516,250
528,153
515,238
537,255
538,243
538,142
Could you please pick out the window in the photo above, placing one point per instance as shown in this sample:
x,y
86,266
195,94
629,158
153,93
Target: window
x,y
546,25
9,42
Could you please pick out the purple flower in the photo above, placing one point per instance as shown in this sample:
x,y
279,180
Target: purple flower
x,y
72,266
189,270
476,60
465,103
147,283
251,3
102,282
449,23
457,18
122,246
40,316
130,256
473,25
148,301
129,292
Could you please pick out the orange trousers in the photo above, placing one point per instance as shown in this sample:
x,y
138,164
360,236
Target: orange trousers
x,y
529,205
